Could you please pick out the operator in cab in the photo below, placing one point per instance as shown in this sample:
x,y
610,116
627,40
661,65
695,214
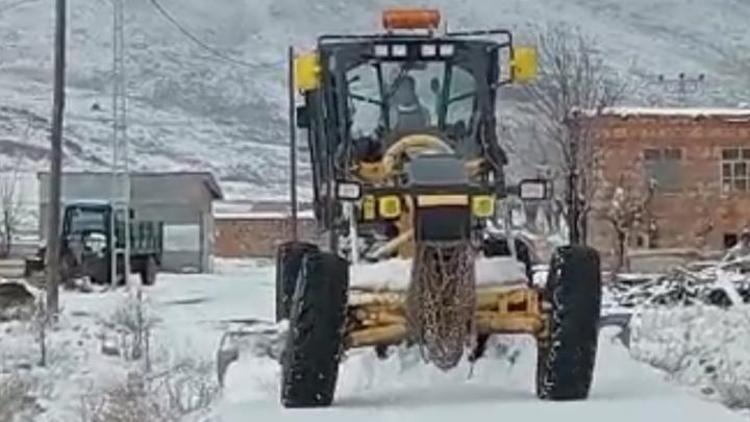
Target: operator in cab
x,y
408,113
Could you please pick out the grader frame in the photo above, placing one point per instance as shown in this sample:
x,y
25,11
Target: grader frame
x,y
382,321
377,319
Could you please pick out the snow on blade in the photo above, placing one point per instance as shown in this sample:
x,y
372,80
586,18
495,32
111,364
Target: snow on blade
x,y
394,274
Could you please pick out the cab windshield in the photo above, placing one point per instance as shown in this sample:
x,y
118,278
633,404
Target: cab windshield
x,y
385,97
87,219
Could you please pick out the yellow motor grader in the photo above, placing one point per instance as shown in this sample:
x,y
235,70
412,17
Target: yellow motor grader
x,y
408,180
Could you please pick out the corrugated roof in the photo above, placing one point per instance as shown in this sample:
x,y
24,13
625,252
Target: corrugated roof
x,y
208,178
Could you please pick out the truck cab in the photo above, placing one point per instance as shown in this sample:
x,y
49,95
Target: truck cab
x,y
91,230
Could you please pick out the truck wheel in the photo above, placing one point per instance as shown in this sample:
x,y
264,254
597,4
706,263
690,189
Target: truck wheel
x,y
288,260
310,361
565,362
148,272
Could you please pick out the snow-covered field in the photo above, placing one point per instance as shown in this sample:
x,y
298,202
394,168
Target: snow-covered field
x,y
193,311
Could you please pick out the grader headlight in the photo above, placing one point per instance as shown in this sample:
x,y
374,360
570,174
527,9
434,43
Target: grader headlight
x,y
483,206
389,207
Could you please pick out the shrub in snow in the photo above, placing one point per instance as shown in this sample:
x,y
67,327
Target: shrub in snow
x,y
703,346
16,397
186,389
134,321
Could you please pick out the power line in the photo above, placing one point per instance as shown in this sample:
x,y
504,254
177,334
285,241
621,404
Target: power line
x,y
5,7
218,53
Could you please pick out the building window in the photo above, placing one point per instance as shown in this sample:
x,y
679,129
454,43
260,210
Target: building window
x,y
735,169
730,239
182,238
663,166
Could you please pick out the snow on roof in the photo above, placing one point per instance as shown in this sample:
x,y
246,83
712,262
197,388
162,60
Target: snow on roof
x,y
261,215
259,210
671,112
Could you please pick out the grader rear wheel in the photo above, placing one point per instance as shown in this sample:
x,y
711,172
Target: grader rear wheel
x,y
565,363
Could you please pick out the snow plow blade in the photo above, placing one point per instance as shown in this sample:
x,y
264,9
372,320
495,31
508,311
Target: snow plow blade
x,y
254,337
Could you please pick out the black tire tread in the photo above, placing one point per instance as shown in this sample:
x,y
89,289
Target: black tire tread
x,y
311,358
566,363
288,262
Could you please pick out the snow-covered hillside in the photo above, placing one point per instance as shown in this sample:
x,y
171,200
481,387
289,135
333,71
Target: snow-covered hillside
x,y
191,109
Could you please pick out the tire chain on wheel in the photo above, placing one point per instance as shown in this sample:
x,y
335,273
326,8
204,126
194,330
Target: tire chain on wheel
x,y
441,301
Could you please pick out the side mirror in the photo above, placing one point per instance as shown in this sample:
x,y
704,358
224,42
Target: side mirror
x,y
524,64
535,190
303,117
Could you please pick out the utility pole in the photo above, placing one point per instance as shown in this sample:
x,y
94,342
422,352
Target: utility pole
x,y
119,247
53,216
681,86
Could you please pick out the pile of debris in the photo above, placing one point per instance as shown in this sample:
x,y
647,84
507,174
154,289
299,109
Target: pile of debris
x,y
707,283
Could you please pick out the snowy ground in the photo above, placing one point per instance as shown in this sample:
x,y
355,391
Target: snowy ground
x,y
194,310
399,390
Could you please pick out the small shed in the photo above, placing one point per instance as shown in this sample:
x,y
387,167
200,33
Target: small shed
x,y
183,201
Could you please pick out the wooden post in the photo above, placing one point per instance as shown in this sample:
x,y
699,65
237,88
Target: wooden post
x,y
58,110
292,149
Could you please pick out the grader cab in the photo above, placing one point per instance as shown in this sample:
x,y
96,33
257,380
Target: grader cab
x,y
408,180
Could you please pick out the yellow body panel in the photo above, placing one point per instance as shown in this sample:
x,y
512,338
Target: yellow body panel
x,y
483,206
389,206
307,72
442,200
524,64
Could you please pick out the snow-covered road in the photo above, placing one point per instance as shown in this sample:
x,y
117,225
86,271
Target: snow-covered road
x,y
194,311
402,389
623,391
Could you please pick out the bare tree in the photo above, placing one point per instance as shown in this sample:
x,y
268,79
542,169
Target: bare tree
x,y
573,83
10,207
629,214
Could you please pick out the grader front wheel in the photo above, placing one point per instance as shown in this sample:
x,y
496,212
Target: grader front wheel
x,y
288,261
566,360
311,357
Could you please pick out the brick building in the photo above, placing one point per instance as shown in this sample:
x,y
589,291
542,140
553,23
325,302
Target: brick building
x,y
697,162
254,230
